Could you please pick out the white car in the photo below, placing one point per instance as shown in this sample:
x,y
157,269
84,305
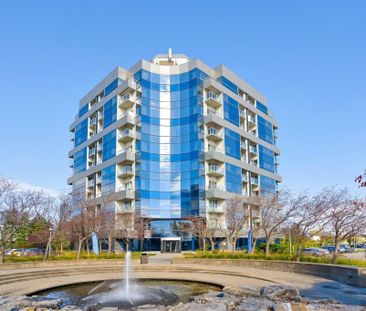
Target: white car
x,y
314,251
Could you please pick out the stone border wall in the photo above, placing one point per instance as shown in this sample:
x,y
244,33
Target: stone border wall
x,y
81,262
344,274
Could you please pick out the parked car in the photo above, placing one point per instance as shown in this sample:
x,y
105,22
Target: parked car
x,y
314,251
329,248
15,252
32,252
345,248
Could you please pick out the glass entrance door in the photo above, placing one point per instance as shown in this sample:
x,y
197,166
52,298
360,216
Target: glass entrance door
x,y
170,246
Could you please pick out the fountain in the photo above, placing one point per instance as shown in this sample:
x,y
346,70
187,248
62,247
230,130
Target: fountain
x,y
127,274
127,293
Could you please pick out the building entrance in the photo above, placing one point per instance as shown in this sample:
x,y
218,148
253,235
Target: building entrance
x,y
171,245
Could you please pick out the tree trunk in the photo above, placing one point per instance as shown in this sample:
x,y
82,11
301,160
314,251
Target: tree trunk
x,y
267,247
2,253
61,248
299,251
79,249
212,244
109,245
253,246
336,246
45,253
87,247
204,245
234,244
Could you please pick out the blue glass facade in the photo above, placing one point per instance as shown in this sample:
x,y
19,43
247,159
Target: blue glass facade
x,y
109,145
233,178
261,107
110,111
231,110
265,130
112,86
232,144
267,185
81,132
169,185
266,159
228,84
80,161
109,179
83,110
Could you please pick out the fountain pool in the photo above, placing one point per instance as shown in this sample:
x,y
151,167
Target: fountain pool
x,y
111,294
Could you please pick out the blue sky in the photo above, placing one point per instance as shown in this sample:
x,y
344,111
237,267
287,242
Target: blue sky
x,y
307,57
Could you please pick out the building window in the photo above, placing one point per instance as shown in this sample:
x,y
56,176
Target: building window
x,y
228,84
233,178
109,145
83,110
109,179
232,144
267,185
231,110
261,107
266,159
81,132
112,86
110,111
265,130
80,161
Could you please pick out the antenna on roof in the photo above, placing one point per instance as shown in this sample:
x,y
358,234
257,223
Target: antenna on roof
x,y
170,53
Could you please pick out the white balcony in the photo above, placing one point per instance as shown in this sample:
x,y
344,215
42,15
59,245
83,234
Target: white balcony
x,y
243,145
214,170
242,113
253,150
254,163
245,178
93,121
125,135
252,120
213,99
255,181
90,183
215,210
214,134
126,101
91,152
125,171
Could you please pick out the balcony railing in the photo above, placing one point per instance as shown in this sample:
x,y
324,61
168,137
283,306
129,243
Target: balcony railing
x,y
126,133
215,187
215,169
245,178
251,119
91,151
215,209
255,181
212,95
253,149
212,131
243,145
125,170
93,121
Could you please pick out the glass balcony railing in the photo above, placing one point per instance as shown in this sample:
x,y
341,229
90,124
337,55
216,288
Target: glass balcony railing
x,y
212,131
251,119
255,181
212,95
253,149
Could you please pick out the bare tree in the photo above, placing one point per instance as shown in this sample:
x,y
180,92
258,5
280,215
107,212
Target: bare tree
x,y
17,208
235,218
345,214
125,227
274,210
309,219
55,213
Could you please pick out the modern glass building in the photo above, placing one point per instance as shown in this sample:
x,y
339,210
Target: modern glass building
x,y
169,139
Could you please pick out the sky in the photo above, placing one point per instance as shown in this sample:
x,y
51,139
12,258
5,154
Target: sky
x,y
307,57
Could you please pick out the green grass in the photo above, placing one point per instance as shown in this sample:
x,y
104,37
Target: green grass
x,y
284,257
71,256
